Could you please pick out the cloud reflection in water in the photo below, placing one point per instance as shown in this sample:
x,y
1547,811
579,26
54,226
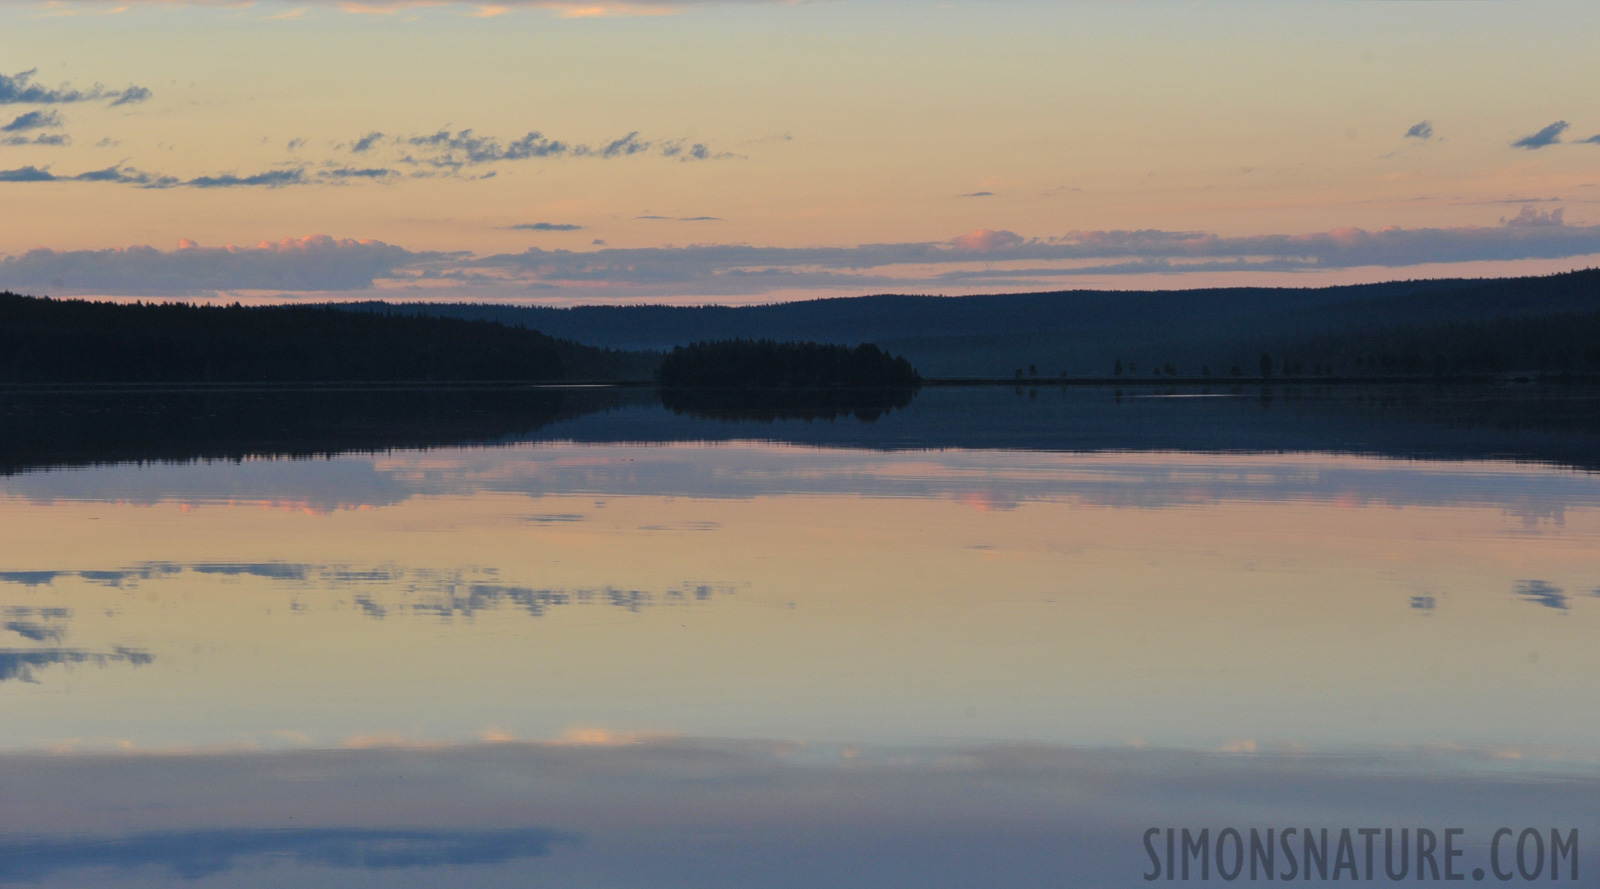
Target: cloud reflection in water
x,y
202,853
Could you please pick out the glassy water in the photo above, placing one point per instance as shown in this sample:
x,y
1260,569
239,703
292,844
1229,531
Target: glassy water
x,y
988,639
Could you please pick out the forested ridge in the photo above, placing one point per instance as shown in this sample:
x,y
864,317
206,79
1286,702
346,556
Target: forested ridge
x,y
1394,327
78,341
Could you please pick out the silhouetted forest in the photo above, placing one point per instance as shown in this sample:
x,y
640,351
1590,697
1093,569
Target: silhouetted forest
x,y
1557,423
1556,345
1083,333
77,341
768,365
767,381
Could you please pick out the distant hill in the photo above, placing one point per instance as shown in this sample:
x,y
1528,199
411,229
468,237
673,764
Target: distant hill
x,y
78,341
1086,332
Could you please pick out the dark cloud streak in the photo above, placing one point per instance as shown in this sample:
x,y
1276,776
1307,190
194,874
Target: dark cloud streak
x,y
1550,135
20,89
33,120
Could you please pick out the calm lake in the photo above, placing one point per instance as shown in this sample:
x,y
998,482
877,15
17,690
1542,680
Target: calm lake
x,y
571,638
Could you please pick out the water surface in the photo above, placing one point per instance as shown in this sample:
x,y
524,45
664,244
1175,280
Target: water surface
x,y
791,633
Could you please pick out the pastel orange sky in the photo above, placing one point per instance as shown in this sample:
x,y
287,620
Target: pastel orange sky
x,y
553,152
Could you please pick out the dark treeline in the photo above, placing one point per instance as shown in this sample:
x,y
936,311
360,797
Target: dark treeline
x,y
1554,423
78,341
1560,345
1079,333
766,364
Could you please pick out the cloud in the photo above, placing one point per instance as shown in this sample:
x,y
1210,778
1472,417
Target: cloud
x,y
1530,217
27,174
977,194
629,144
54,139
358,173
1550,135
20,89
1592,140
310,264
1423,130
267,179
982,258
454,150
127,176
33,120
986,240
366,142
545,227
130,95
270,179
463,148
696,152
202,853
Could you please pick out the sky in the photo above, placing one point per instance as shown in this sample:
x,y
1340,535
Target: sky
x,y
693,151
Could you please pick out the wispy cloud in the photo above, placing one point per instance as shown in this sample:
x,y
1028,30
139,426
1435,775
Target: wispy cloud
x,y
122,175
27,174
366,142
369,173
20,89
1550,135
545,227
464,148
270,179
1423,130
453,150
1530,217
54,139
33,120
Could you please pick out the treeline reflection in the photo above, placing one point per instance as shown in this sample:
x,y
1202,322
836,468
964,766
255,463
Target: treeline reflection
x,y
1546,424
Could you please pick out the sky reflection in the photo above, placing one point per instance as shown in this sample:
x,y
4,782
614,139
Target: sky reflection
x,y
747,590
710,814
203,853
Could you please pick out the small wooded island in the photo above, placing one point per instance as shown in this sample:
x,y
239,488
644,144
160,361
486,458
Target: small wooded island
x,y
767,364
769,380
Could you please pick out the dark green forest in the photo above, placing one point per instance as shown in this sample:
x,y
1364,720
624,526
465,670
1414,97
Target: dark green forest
x,y
76,341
